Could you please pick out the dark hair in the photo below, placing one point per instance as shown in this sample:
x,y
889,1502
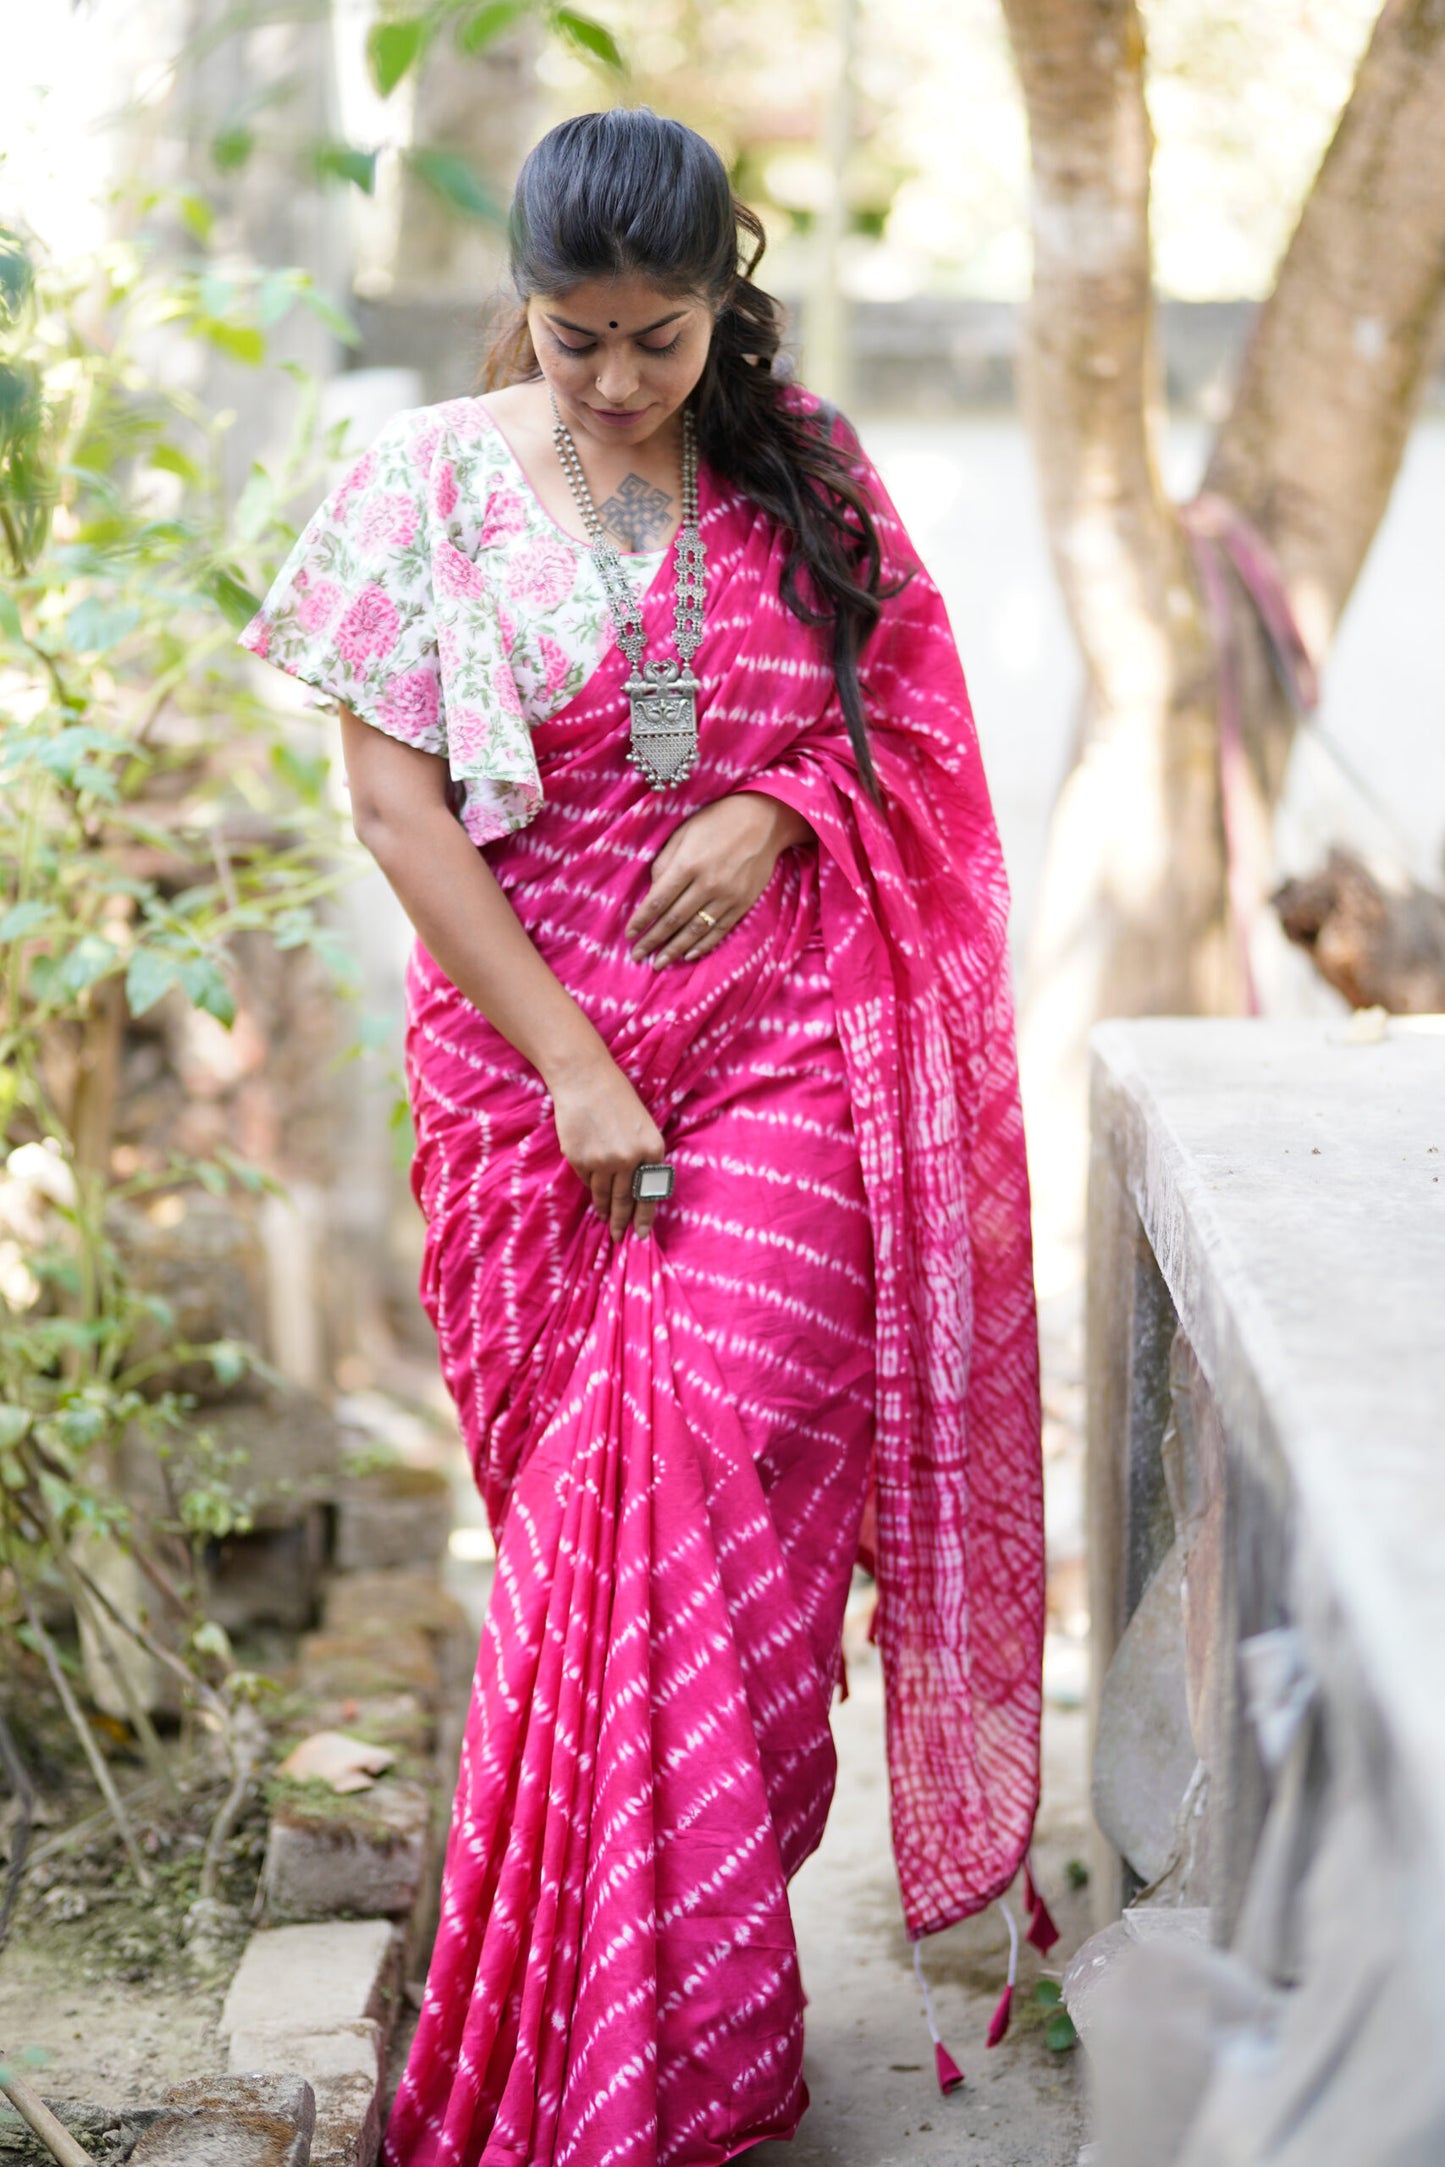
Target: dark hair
x,y
626,191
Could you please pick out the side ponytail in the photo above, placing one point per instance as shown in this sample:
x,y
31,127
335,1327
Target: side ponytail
x,y
629,192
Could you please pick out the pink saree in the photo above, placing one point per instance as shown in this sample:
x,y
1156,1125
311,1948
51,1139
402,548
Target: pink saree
x,y
676,1438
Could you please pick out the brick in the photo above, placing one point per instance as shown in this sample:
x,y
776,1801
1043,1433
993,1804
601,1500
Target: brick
x,y
312,1978
366,1853
254,2121
348,2122
384,1602
343,2050
364,1666
395,1516
271,1576
397,1720
384,1605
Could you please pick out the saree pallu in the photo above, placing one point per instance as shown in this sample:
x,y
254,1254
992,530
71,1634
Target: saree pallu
x,y
676,1438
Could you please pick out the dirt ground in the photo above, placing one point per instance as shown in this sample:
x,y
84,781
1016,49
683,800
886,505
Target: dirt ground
x,y
868,2057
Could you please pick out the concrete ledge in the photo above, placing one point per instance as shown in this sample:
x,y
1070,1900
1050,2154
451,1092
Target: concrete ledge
x,y
311,1978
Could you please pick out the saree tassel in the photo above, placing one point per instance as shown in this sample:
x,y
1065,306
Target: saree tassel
x,y
950,2076
1042,1932
998,2023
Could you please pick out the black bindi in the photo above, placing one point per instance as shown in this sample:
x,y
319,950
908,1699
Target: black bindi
x,y
612,325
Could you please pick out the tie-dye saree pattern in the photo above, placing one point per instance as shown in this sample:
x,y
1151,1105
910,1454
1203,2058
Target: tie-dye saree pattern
x,y
676,1438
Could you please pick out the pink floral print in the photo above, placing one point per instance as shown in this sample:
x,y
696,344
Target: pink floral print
x,y
318,605
355,481
369,627
456,573
387,519
433,595
543,573
504,686
506,517
410,703
556,662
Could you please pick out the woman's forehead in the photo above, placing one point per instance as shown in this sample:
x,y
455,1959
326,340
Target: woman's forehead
x,y
628,303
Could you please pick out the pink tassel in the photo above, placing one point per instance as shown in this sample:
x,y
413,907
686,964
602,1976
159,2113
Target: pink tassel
x,y
1042,1932
950,2076
999,2023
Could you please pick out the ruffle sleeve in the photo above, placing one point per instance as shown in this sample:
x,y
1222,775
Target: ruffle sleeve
x,y
382,605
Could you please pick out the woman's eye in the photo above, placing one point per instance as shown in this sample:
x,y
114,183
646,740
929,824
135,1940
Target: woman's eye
x,y
672,342
571,349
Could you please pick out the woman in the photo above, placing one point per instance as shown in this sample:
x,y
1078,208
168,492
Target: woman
x,y
718,1144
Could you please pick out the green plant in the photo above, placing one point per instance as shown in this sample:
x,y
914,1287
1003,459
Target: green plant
x,y
1059,2032
149,816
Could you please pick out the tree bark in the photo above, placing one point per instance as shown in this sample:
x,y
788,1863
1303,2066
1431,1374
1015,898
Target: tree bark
x,y
1343,348
1135,843
1133,916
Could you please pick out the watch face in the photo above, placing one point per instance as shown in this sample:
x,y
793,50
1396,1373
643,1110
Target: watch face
x,y
650,1183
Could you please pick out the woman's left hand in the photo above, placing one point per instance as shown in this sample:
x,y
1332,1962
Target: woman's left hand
x,y
709,873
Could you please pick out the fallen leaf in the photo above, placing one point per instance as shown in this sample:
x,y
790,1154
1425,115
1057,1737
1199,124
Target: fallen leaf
x,y
347,1764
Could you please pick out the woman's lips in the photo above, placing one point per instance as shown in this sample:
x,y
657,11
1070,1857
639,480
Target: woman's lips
x,y
599,413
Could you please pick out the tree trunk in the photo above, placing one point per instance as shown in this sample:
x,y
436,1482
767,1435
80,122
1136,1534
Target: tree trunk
x,y
1133,912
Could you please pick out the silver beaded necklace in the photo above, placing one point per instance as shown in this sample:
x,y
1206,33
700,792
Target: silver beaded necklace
x,y
663,694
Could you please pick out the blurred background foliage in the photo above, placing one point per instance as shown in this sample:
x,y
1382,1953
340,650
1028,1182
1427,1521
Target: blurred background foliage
x,y
1243,98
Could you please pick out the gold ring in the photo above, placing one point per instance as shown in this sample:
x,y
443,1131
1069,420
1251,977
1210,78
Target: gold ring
x,y
707,918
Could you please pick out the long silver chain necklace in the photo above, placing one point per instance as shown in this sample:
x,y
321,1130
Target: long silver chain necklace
x,y
663,694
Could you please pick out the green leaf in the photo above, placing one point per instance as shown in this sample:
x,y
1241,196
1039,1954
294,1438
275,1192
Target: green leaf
x,y
232,147
255,505
197,216
451,178
172,460
235,600
589,37
217,290
92,958
1060,2035
489,22
212,1639
149,977
23,918
303,773
344,162
17,274
326,311
14,1422
243,342
206,988
1048,1993
10,623
94,626
274,297
392,48
81,1426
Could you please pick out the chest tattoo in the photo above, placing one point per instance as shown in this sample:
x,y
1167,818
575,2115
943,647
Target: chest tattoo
x,y
637,515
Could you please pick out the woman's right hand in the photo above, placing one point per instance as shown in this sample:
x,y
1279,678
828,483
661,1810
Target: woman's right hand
x,y
606,1133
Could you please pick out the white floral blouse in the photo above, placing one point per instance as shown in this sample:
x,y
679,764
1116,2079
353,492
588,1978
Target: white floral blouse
x,y
433,594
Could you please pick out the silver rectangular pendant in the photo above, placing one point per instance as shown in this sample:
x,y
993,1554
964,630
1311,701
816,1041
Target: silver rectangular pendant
x,y
663,697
